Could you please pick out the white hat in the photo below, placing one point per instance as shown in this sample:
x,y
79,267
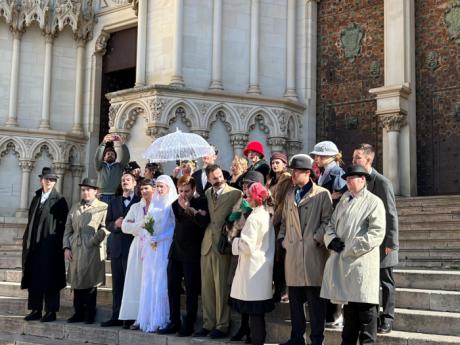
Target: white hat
x,y
325,148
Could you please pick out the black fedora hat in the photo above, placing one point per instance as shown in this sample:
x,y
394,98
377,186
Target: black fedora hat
x,y
356,170
301,161
48,173
89,182
253,177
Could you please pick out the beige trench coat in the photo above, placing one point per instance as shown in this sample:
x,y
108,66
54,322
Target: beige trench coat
x,y
302,228
84,232
353,274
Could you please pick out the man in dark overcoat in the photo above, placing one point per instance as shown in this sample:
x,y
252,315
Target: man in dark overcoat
x,y
117,211
43,267
379,185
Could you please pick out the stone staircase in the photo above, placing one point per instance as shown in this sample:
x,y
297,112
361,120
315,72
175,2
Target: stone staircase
x,y
427,299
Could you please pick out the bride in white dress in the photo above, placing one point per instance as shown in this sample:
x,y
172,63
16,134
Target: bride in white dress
x,y
153,304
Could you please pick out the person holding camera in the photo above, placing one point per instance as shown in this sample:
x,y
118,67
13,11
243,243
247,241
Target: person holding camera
x,y
109,171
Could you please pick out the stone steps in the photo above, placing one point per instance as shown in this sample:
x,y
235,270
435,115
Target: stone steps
x,y
59,332
427,279
430,217
427,209
425,201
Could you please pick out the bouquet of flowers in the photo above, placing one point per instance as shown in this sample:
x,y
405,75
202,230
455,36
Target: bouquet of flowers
x,y
148,225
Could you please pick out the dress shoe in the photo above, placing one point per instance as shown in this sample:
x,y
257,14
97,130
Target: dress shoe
x,y
127,323
48,317
170,328
76,318
300,341
111,323
134,327
201,333
238,336
33,315
384,328
89,317
216,334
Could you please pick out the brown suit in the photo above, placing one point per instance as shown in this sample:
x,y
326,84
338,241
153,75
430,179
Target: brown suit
x,y
215,266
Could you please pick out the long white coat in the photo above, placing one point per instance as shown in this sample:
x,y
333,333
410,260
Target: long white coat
x,y
256,249
133,224
353,274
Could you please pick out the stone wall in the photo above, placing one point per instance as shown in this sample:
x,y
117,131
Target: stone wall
x,y
346,110
438,96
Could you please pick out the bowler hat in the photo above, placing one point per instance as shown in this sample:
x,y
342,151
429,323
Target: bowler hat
x,y
356,170
253,176
89,182
301,161
48,173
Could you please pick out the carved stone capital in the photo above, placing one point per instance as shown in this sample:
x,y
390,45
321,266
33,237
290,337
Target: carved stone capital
x,y
277,143
201,132
60,168
26,165
77,171
393,122
101,43
156,131
239,140
17,33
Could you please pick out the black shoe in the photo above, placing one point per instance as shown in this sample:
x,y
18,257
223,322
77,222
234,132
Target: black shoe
x,y
170,328
134,327
216,334
76,318
384,328
112,323
201,333
33,315
127,323
185,331
48,317
238,336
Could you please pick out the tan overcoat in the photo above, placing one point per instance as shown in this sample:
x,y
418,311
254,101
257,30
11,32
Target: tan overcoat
x,y
84,232
302,228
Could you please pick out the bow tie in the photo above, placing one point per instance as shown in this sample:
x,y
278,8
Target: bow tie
x,y
126,198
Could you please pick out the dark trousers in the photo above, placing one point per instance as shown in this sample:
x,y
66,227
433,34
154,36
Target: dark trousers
x,y
387,283
190,271
36,298
298,295
279,280
258,332
119,266
84,301
359,322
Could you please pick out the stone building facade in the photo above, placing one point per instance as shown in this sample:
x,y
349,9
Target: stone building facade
x,y
285,72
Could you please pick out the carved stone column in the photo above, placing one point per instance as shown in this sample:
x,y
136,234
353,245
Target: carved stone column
x,y
46,98
277,144
254,49
293,147
177,78
77,172
393,123
142,9
239,141
290,51
79,84
216,72
14,81
26,167
60,168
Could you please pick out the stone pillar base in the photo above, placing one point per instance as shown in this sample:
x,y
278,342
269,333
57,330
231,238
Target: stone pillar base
x,y
216,85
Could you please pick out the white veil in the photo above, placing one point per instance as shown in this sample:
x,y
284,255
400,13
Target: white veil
x,y
170,197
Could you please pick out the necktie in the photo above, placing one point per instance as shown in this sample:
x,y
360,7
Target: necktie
x,y
350,198
214,196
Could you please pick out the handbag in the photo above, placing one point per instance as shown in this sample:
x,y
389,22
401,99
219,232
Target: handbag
x,y
223,246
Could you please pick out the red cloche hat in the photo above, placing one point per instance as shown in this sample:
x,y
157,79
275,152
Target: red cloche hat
x,y
255,146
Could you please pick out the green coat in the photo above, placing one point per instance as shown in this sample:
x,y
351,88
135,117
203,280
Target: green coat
x,y
84,232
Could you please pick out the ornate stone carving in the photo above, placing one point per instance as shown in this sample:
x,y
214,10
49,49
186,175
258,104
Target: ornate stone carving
x,y
277,143
60,167
203,107
104,4
156,105
201,132
113,110
393,122
6,9
77,170
239,140
156,131
242,110
220,115
283,118
452,19
10,148
67,13
26,165
180,114
293,147
432,60
351,38
35,10
101,43
43,149
128,119
135,5
375,69
259,121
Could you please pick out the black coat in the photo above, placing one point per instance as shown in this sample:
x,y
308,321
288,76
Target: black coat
x,y
262,167
189,231
200,189
43,267
120,241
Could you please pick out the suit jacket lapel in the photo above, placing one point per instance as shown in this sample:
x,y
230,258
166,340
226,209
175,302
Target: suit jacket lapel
x,y
371,183
221,199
